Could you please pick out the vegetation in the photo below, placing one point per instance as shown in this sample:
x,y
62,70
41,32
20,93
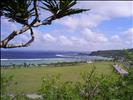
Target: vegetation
x,y
29,79
129,57
27,13
6,89
57,64
5,84
93,86
110,53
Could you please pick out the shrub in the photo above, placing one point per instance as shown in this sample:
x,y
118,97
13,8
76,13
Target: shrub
x,y
53,89
6,89
92,88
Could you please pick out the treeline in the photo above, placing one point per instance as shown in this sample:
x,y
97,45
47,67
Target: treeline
x,y
57,64
110,53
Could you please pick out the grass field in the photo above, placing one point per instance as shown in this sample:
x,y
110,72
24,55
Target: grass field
x,y
29,79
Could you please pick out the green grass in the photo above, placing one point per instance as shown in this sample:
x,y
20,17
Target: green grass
x,y
29,79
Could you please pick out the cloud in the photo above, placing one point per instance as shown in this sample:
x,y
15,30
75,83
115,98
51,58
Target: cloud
x,y
109,8
128,34
127,37
79,41
69,22
121,40
49,38
93,36
88,41
100,11
63,40
116,38
82,21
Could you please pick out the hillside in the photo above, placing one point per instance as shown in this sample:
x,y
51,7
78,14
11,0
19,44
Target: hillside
x,y
109,53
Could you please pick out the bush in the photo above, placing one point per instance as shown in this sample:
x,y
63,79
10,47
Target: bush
x,y
6,89
92,88
53,89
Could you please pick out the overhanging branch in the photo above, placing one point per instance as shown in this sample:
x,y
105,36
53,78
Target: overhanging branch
x,y
5,42
54,7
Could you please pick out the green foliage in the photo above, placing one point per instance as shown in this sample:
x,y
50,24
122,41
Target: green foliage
x,y
5,86
21,10
128,56
16,10
29,79
6,89
110,53
92,88
89,89
53,89
5,83
61,8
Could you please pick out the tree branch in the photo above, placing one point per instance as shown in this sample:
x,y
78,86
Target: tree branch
x,y
4,43
36,21
47,21
36,13
22,45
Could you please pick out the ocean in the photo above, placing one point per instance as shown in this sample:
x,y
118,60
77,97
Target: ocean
x,y
44,57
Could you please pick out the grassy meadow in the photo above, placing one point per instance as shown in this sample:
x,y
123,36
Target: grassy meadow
x,y
29,79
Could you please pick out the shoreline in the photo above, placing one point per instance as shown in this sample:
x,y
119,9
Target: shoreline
x,y
47,61
56,64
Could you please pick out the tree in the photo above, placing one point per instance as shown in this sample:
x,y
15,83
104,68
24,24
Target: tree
x,y
21,11
128,56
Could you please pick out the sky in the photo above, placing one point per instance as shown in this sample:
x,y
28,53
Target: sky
x,y
108,25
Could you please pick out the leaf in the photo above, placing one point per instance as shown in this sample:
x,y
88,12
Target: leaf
x,y
61,8
17,10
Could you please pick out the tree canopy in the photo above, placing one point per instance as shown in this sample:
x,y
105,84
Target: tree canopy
x,y
21,11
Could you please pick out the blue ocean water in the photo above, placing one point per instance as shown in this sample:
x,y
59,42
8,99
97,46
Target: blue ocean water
x,y
45,57
34,54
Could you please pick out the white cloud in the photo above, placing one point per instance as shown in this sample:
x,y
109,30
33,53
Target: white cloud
x,y
127,37
73,42
70,22
65,41
94,37
91,20
49,38
89,40
100,11
128,34
79,41
116,38
81,21
109,8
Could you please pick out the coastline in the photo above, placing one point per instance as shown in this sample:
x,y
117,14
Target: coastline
x,y
46,61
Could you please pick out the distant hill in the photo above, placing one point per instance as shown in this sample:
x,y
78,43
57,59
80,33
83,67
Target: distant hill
x,y
109,53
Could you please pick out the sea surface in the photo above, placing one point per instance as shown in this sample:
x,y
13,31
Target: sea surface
x,y
44,57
